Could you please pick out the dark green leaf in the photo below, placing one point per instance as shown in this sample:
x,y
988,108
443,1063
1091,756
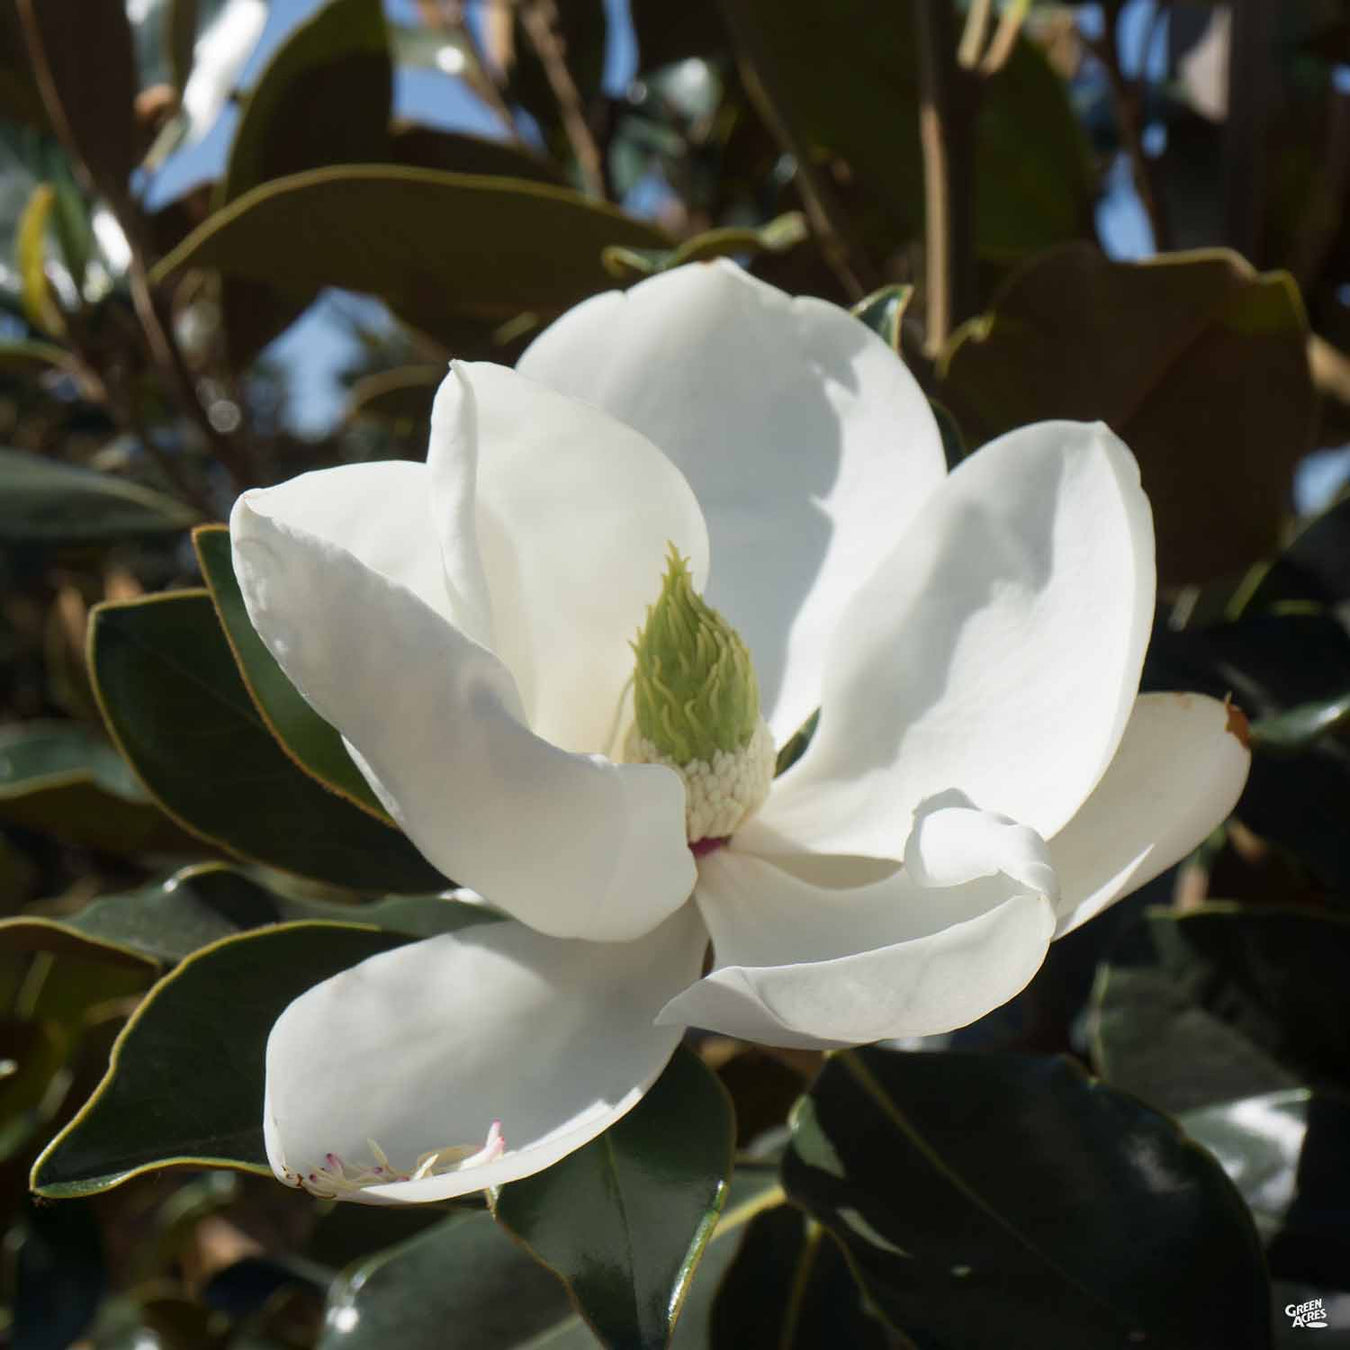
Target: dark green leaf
x,y
778,236
314,745
63,779
167,922
1300,726
42,501
1225,1001
651,1188
422,147
323,98
185,1085
1197,362
83,54
844,77
463,1273
60,1276
883,312
790,1288
1288,1153
989,1201
433,245
173,699
403,395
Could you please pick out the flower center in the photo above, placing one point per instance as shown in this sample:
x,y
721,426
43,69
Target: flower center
x,y
337,1179
696,709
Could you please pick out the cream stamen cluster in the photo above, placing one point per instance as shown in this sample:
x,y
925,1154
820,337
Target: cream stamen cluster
x,y
335,1179
720,794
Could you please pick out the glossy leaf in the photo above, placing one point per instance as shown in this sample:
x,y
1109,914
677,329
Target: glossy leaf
x,y
845,78
790,1288
651,1188
1225,1001
423,147
777,236
1278,667
42,501
464,1273
323,98
65,780
60,1275
883,312
185,1085
415,237
968,1191
314,745
171,694
1197,362
82,51
164,923
1287,1154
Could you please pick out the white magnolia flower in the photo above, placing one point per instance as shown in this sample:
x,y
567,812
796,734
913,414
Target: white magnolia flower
x,y
985,775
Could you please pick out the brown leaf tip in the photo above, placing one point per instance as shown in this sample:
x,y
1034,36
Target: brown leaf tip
x,y
1238,724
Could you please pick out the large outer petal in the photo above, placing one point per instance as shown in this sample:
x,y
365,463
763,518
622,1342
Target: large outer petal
x,y
1177,775
807,441
572,844
996,652
807,957
423,1047
574,512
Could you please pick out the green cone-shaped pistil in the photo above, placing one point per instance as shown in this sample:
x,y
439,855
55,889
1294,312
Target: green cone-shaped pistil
x,y
694,690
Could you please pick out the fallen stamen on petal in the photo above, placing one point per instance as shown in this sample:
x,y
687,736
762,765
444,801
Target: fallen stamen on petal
x,y
335,1179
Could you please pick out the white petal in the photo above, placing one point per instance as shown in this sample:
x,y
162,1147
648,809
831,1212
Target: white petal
x,y
807,441
574,515
996,652
422,1048
1178,774
804,957
380,513
572,844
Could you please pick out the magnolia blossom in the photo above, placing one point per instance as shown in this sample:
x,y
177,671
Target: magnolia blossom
x,y
984,777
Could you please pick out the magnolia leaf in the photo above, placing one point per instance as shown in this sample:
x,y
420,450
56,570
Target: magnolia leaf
x,y
173,699
63,779
419,239
845,80
963,1188
1197,362
423,147
465,1273
42,501
651,1189
1224,1001
169,921
1285,1152
784,1249
310,741
883,312
185,1085
778,236
35,291
83,55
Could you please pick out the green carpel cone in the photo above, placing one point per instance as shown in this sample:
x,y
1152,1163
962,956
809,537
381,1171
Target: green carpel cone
x,y
694,689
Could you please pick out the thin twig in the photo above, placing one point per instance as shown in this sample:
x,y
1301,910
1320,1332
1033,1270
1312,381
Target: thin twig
x,y
1005,37
972,36
453,18
542,25
1126,102
830,225
948,95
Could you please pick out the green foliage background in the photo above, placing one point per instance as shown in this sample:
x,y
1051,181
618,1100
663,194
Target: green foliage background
x,y
1149,1146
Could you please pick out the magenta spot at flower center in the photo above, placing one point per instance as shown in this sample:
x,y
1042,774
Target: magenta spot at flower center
x,y
700,848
